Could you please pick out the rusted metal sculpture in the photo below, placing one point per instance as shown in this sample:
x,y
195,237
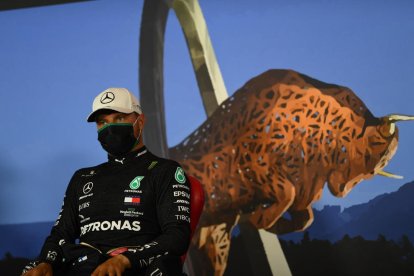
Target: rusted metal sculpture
x,y
272,146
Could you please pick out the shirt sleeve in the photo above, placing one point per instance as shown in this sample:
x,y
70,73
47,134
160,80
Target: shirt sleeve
x,y
172,190
65,229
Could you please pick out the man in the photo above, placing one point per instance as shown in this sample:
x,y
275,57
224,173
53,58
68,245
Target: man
x,y
130,214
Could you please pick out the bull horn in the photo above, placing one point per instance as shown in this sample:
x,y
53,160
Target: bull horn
x,y
393,118
399,117
390,175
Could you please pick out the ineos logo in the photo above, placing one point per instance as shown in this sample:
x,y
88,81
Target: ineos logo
x,y
107,97
87,188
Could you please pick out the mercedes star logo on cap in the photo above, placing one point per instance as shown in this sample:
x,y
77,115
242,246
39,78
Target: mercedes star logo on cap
x,y
107,97
87,187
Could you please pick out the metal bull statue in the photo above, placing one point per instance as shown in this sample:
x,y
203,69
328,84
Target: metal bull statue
x,y
271,148
267,150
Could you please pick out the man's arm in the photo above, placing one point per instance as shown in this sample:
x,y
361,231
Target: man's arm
x,y
41,269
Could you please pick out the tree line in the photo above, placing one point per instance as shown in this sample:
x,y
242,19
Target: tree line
x,y
350,256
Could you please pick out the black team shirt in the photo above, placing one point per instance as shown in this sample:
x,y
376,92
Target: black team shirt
x,y
141,202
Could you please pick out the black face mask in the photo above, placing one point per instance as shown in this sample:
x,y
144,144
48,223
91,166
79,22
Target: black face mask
x,y
117,139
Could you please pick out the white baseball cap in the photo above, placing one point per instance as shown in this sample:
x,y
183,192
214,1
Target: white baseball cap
x,y
118,99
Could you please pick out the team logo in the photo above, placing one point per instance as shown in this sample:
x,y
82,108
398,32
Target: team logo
x,y
179,175
107,97
136,182
87,188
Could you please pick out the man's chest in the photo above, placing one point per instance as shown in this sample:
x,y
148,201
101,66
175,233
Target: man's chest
x,y
114,194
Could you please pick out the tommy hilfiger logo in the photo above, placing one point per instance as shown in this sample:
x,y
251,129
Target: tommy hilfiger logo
x,y
132,200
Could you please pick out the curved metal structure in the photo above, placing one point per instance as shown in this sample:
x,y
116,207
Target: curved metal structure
x,y
206,68
151,72
209,79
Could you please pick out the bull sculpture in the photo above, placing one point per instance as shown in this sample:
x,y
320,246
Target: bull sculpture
x,y
271,148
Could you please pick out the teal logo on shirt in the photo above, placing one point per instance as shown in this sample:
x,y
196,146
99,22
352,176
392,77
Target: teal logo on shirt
x,y
136,182
179,175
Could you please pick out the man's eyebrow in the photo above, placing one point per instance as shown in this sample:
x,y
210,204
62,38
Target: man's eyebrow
x,y
99,118
109,112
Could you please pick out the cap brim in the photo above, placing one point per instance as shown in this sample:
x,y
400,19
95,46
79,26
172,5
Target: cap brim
x,y
92,117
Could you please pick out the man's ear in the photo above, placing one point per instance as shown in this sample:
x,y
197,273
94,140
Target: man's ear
x,y
141,121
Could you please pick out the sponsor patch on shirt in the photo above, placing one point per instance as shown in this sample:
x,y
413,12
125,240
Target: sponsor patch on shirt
x,y
91,173
131,212
152,165
51,255
179,175
136,182
111,226
134,200
84,205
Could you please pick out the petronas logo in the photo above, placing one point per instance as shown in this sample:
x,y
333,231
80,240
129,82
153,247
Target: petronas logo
x,y
179,175
136,182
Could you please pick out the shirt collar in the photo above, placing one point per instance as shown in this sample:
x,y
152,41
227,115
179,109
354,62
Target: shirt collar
x,y
129,156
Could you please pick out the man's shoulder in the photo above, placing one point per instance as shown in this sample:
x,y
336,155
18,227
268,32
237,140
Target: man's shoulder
x,y
163,163
89,171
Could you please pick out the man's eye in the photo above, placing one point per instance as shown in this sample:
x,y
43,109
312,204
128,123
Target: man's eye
x,y
120,119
